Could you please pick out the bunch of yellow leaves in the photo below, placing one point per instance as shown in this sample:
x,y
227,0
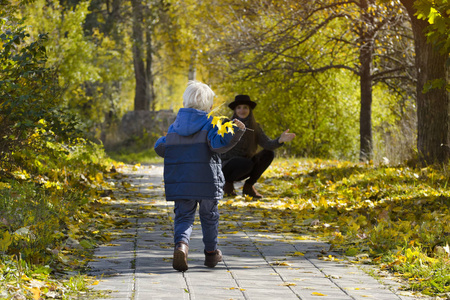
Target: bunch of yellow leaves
x,y
226,127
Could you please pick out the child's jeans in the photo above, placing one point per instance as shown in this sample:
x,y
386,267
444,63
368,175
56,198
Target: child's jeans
x,y
184,220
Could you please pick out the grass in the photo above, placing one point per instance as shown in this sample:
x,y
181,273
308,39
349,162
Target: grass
x,y
52,214
147,156
50,219
22,280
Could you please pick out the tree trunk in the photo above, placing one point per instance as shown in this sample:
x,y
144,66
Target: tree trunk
x,y
365,115
192,65
149,71
112,18
432,105
141,101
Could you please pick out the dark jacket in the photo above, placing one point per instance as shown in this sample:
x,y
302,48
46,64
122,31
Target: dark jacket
x,y
243,149
191,151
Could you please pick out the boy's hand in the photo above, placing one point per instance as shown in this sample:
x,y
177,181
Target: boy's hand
x,y
239,124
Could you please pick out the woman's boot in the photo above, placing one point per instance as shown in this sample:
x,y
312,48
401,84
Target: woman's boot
x,y
250,190
228,189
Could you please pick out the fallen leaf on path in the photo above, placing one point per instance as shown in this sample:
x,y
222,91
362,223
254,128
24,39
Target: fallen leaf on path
x,y
279,263
317,294
235,288
288,284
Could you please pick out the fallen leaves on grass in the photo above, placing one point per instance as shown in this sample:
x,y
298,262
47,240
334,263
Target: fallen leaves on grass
x,y
397,217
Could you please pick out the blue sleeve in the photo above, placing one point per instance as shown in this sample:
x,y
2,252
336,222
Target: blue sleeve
x,y
160,146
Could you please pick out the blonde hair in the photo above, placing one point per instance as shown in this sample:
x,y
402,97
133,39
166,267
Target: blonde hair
x,y
198,95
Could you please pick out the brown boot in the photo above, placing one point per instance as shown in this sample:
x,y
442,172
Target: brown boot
x,y
211,259
180,255
250,190
228,189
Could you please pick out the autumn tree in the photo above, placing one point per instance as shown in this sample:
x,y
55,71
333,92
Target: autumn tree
x,y
374,27
77,57
33,118
314,37
432,66
149,26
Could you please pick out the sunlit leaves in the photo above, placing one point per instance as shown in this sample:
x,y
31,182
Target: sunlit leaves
x,y
436,13
23,280
222,128
48,211
4,185
5,241
94,71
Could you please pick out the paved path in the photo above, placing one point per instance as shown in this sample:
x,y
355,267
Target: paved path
x,y
138,264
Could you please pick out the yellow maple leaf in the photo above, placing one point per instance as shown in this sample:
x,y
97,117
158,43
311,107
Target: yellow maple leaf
x,y
278,263
5,241
229,125
222,130
36,293
248,198
288,284
217,121
317,294
99,177
226,127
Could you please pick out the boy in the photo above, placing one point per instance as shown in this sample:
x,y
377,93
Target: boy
x,y
193,172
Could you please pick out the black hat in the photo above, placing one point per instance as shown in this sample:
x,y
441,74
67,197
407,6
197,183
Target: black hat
x,y
242,99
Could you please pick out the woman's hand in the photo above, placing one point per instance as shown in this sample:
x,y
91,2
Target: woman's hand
x,y
239,124
286,137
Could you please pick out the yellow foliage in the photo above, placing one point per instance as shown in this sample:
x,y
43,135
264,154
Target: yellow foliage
x,y
36,293
5,241
4,185
223,128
